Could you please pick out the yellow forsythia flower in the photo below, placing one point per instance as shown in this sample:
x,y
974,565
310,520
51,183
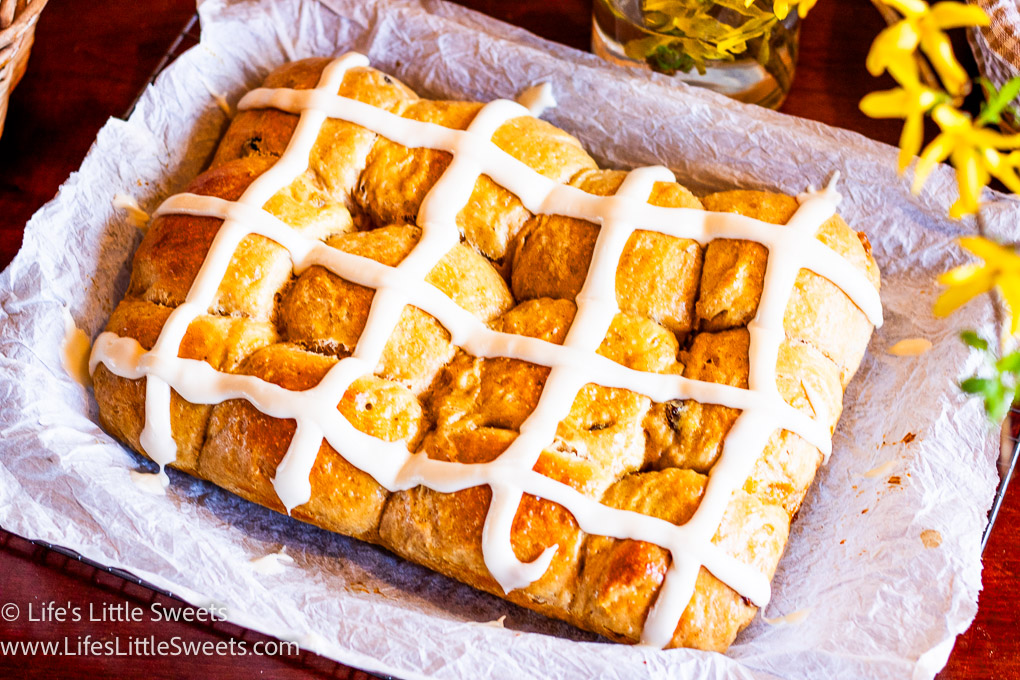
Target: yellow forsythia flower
x,y
782,7
910,102
924,26
974,152
1001,269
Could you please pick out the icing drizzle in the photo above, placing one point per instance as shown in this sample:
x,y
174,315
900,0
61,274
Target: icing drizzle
x,y
537,98
573,364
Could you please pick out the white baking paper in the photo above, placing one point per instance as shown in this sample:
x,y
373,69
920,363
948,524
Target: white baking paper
x,y
885,575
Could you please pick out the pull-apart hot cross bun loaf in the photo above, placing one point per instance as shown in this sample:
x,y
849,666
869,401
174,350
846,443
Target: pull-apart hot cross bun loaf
x,y
440,327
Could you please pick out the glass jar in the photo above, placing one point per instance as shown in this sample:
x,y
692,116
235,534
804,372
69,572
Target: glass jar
x,y
746,53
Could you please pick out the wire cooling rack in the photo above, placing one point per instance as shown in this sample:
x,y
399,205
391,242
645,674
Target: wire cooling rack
x,y
129,586
1008,454
185,40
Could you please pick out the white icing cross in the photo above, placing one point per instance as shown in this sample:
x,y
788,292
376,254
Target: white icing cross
x,y
573,364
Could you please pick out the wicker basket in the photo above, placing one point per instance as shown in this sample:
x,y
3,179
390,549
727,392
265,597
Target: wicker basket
x,y
15,43
997,47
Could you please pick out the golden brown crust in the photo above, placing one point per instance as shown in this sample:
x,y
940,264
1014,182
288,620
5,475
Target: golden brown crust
x,y
397,179
684,309
818,313
657,277
443,531
341,149
244,446
221,342
621,577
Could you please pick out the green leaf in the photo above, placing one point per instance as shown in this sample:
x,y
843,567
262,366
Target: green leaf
x,y
1010,89
999,389
997,101
975,385
1009,363
993,393
997,405
667,59
972,339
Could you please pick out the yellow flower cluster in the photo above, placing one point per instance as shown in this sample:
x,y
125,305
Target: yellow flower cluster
x,y
1000,269
924,26
911,102
974,150
782,7
975,153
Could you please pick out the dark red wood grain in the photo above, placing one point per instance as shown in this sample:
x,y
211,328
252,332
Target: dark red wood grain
x,y
90,60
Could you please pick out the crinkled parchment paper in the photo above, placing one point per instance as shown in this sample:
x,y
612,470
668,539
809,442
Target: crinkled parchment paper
x,y
887,573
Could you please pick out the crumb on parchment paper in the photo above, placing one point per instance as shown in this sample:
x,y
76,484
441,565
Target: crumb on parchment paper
x,y
931,538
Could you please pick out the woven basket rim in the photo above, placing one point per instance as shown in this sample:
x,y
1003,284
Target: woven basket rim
x,y
21,22
1004,32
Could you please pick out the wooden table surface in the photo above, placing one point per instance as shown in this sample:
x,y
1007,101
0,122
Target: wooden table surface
x,y
88,64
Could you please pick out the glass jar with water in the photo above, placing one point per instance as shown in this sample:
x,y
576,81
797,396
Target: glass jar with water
x,y
745,51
